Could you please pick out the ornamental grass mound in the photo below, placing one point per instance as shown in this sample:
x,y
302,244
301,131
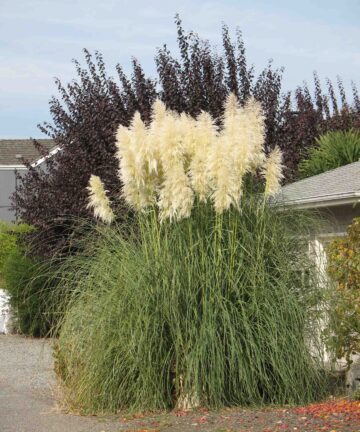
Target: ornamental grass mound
x,y
208,298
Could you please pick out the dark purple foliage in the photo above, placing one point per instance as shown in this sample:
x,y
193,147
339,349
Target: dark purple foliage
x,y
88,111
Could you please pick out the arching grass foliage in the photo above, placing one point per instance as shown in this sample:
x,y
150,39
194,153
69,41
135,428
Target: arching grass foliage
x,y
213,310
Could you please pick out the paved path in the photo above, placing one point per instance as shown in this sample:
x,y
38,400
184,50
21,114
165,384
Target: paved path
x,y
27,384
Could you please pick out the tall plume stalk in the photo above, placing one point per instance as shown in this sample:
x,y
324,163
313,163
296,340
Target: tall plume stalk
x,y
178,160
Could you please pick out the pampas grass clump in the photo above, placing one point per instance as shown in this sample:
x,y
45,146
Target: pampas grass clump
x,y
212,311
204,301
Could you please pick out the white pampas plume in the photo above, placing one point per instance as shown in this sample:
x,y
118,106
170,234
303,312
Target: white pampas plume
x,y
236,145
176,196
221,177
126,155
138,143
243,138
169,142
255,122
231,107
178,157
158,117
99,201
272,172
135,157
235,155
186,130
203,137
158,114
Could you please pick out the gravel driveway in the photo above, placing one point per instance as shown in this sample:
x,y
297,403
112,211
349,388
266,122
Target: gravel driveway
x,y
27,384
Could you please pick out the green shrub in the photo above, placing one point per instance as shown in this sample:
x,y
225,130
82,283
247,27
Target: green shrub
x,y
18,272
9,236
344,267
331,150
212,310
27,281
30,285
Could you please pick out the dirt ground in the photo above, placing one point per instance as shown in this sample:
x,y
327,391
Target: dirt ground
x,y
257,420
28,404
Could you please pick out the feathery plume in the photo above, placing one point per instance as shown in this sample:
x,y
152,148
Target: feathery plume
x,y
255,122
99,201
169,142
176,196
158,116
234,138
186,129
272,172
203,136
135,158
126,155
138,142
178,157
158,112
221,177
231,108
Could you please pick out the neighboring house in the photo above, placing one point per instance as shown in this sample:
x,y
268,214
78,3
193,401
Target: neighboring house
x,y
12,154
334,194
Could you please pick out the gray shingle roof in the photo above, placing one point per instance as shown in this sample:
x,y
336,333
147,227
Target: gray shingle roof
x,y
13,150
338,184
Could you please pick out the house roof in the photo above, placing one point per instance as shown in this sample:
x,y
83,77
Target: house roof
x,y
335,187
13,151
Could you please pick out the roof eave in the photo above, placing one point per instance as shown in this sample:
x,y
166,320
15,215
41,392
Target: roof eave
x,y
43,159
320,202
12,167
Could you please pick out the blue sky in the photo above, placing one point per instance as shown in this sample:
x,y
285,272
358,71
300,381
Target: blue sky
x,y
38,39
